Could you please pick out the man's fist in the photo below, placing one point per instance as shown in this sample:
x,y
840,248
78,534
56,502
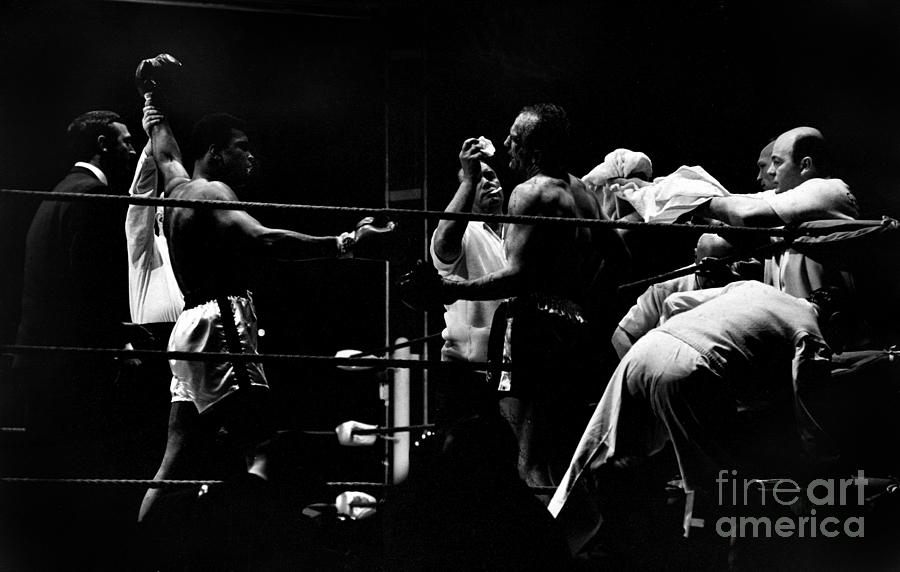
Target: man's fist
x,y
470,159
370,239
152,116
150,73
421,288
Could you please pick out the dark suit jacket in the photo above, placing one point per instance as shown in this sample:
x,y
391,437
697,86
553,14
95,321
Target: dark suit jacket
x,y
75,288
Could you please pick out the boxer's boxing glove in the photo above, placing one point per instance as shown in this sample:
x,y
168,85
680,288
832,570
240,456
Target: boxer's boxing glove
x,y
370,239
154,72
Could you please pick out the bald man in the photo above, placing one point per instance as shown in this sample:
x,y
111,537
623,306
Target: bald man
x,y
804,191
644,315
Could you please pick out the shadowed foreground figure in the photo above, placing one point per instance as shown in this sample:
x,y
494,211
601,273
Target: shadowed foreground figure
x,y
466,509
249,522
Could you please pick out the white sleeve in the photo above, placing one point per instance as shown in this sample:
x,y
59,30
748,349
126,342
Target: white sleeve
x,y
680,302
140,238
141,219
644,315
814,199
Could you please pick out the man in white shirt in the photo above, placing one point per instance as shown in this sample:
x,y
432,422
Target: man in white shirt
x,y
681,383
464,250
155,302
804,192
153,293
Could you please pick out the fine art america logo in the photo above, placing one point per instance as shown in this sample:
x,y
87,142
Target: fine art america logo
x,y
844,499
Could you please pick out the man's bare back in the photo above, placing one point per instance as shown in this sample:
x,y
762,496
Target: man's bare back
x,y
552,256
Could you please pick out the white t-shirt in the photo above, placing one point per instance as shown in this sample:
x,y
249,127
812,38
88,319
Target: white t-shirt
x,y
153,292
744,326
469,321
646,312
815,199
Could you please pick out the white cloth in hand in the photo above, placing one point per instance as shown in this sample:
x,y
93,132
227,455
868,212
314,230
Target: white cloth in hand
x,y
670,197
619,164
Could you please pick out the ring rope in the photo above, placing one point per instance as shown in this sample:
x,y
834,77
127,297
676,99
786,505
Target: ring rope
x,y
170,483
408,213
144,483
375,431
390,430
154,484
761,252
406,344
260,358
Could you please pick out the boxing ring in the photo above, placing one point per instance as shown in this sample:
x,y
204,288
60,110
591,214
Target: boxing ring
x,y
396,431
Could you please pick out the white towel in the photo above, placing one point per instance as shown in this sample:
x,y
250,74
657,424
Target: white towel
x,y
669,197
621,163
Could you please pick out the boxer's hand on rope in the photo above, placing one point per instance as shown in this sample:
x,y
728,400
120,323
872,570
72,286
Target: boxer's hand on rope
x,y
421,287
347,438
345,501
370,239
155,72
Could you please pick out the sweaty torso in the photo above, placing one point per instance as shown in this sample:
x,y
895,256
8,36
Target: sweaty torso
x,y
205,259
553,256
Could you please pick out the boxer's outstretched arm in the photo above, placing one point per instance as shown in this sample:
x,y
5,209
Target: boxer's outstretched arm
x,y
238,227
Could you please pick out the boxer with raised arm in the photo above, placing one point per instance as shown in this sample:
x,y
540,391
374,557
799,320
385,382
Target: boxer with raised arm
x,y
212,252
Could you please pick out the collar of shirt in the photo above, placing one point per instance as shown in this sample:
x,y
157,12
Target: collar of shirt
x,y
93,169
488,228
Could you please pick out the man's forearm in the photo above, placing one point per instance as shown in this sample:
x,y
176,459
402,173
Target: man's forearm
x,y
449,233
741,211
505,283
165,147
282,244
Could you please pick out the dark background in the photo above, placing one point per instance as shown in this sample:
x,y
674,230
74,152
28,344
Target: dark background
x,y
349,99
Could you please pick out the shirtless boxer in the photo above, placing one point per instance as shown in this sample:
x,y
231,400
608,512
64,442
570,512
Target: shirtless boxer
x,y
211,252
543,327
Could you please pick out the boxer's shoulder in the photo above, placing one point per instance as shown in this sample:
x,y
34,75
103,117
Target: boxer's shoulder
x,y
202,189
